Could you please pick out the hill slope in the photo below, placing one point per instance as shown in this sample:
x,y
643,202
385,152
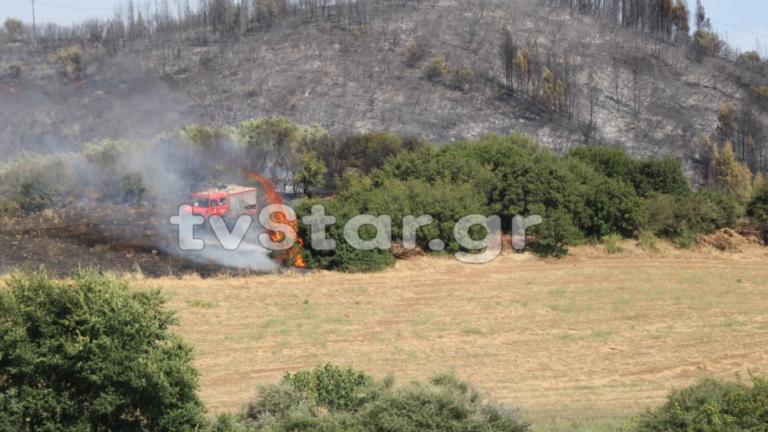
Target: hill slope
x,y
648,96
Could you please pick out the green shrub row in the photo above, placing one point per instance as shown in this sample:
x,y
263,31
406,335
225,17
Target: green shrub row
x,y
590,194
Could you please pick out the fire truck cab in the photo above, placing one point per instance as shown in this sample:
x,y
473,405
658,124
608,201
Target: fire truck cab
x,y
229,202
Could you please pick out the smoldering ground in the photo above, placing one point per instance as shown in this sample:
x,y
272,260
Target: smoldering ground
x,y
114,196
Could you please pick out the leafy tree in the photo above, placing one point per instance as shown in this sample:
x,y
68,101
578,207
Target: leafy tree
x,y
757,210
274,146
660,175
369,150
612,162
730,175
90,354
13,27
706,43
652,175
311,173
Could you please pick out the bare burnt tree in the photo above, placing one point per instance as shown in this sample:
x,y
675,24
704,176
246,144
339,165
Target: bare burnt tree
x,y
509,52
666,19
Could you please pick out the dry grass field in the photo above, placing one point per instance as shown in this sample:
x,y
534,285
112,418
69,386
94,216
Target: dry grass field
x,y
584,340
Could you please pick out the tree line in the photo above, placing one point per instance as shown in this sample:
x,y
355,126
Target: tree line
x,y
137,20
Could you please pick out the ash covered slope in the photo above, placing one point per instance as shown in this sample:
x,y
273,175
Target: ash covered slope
x,y
648,96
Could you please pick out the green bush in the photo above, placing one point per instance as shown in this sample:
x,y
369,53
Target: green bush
x,y
368,151
706,43
761,96
446,202
445,404
71,59
92,354
757,210
461,78
344,258
750,57
711,406
132,188
34,182
612,162
663,175
311,174
703,212
329,386
37,194
275,145
555,234
648,241
613,243
436,70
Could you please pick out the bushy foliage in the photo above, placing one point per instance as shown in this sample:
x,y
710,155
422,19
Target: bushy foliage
x,y
436,70
91,354
311,173
132,188
368,151
702,212
36,182
750,57
711,406
71,59
757,210
329,386
344,258
461,78
445,404
613,243
648,241
414,55
13,27
761,96
728,174
706,43
504,176
661,176
274,146
646,176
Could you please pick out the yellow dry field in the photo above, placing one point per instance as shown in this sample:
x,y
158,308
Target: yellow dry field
x,y
589,338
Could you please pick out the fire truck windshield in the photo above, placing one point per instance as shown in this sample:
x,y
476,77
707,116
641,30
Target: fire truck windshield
x,y
201,202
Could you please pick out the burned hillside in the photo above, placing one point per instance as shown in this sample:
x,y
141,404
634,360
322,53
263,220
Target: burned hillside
x,y
440,69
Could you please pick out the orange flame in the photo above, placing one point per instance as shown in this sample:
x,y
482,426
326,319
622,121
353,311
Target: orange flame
x,y
293,256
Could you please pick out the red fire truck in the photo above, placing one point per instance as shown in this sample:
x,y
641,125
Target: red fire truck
x,y
229,202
